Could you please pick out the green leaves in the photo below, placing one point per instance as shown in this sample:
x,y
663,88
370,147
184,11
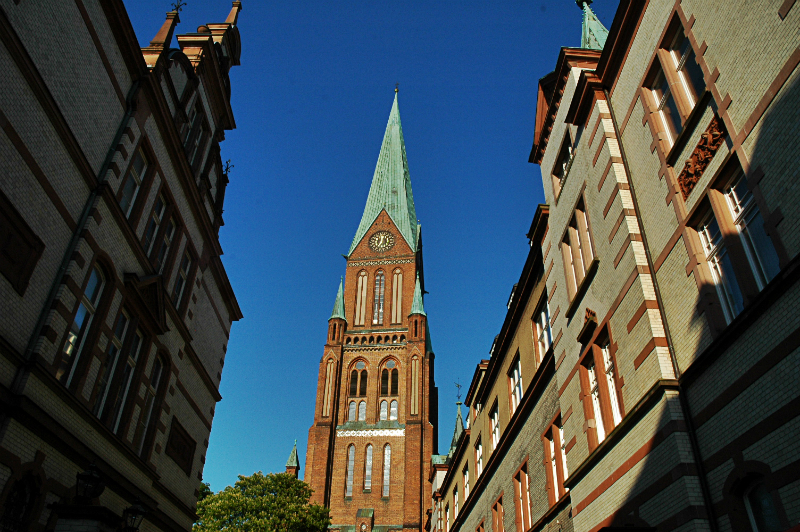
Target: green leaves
x,y
262,503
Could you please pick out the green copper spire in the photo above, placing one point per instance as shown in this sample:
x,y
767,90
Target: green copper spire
x,y
594,33
293,460
416,306
338,306
457,431
391,186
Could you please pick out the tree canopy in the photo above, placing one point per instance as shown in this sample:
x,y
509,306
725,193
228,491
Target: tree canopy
x,y
276,502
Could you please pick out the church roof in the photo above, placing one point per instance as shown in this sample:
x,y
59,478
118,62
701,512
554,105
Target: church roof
x,y
456,432
391,186
416,306
338,305
293,460
594,33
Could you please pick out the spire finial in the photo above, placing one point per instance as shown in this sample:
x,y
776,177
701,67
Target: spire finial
x,y
458,393
396,88
177,6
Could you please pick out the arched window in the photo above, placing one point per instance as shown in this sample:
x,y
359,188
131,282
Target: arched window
x,y
368,469
761,509
361,298
362,411
387,468
384,411
397,296
76,335
122,393
153,386
121,331
326,398
351,411
385,382
393,411
354,383
351,463
20,504
380,284
362,390
414,386
395,378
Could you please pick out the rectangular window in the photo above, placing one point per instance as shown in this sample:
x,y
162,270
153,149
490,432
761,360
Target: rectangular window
x,y
181,279
154,223
447,517
577,250
497,515
602,404
150,398
455,502
466,481
132,182
118,339
722,270
515,384
166,243
555,452
494,416
79,328
127,380
543,336
686,67
478,457
523,499
594,390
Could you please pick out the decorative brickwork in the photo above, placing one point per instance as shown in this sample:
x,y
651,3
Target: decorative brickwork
x,y
698,161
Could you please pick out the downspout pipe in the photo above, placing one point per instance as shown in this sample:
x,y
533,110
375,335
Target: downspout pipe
x,y
76,237
687,413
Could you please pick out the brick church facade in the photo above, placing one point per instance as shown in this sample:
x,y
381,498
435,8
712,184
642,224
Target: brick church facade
x,y
375,418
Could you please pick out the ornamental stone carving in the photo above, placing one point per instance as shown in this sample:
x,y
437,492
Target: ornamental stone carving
x,y
698,161
370,433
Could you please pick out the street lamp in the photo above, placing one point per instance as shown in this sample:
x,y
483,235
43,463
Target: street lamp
x,y
89,484
133,516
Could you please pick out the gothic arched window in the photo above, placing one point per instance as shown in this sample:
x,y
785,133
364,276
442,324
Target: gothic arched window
x,y
395,378
361,298
362,411
387,468
380,284
385,382
384,411
368,468
351,463
20,504
326,399
414,385
351,411
397,296
362,389
393,411
354,383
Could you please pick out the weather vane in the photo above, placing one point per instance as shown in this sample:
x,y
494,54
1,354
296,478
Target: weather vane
x,y
177,6
396,87
228,167
458,394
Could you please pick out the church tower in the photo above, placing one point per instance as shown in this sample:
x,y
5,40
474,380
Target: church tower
x,y
375,419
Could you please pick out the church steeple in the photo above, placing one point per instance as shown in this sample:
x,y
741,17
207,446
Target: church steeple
x,y
456,432
338,305
594,34
391,186
293,464
417,306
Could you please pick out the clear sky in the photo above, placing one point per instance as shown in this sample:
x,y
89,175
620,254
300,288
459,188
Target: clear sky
x,y
311,100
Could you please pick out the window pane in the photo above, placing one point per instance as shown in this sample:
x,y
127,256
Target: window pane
x,y
363,385
385,382
351,412
395,376
665,103
351,462
393,411
384,411
353,383
368,469
761,246
387,468
598,415
362,411
612,386
762,510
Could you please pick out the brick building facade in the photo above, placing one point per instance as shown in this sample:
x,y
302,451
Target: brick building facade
x,y
116,308
375,418
670,260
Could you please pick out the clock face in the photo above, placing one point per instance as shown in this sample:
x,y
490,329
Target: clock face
x,y
381,241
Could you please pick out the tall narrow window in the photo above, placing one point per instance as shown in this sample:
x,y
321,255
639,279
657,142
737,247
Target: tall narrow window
x,y
478,457
455,502
497,516
447,517
351,411
368,468
155,222
563,164
761,509
466,481
393,411
362,387
414,385
577,250
132,182
523,499
76,335
362,411
541,329
515,384
125,385
149,403
326,401
380,284
494,416
397,296
197,132
384,411
387,468
110,366
557,469
612,385
666,106
685,62
361,298
594,387
351,464
181,279
750,225
165,244
722,271
395,379
385,382
354,383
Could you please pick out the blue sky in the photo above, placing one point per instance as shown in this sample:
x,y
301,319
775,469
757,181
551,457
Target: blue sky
x,y
311,100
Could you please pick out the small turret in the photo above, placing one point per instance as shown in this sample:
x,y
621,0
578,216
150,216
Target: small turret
x,y
417,317
594,34
456,432
162,40
293,464
337,322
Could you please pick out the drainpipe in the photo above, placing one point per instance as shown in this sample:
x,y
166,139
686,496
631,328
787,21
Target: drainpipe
x,y
687,413
22,372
